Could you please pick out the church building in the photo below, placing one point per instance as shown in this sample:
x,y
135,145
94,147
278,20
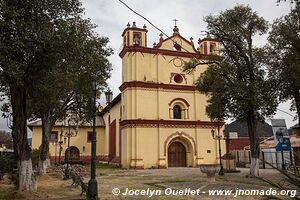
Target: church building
x,y
158,120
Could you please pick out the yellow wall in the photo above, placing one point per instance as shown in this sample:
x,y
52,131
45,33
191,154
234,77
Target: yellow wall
x,y
80,141
143,103
145,147
151,144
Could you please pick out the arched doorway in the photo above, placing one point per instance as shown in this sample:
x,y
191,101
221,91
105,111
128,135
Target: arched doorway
x,y
176,155
74,154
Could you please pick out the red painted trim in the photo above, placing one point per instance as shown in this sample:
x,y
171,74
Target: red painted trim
x,y
83,158
112,140
134,29
177,35
167,52
179,99
209,39
168,123
140,84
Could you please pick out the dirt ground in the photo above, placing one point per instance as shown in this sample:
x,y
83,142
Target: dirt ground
x,y
52,186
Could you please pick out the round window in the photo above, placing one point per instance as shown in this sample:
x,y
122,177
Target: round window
x,y
178,78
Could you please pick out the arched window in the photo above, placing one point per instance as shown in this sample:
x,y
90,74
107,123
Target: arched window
x,y
179,109
213,49
177,112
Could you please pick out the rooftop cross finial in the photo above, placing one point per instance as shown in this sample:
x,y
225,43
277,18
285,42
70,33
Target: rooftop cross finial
x,y
175,20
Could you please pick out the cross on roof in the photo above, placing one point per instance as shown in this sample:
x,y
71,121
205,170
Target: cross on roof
x,y
175,20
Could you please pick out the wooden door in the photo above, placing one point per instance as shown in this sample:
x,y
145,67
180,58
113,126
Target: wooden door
x,y
176,155
112,141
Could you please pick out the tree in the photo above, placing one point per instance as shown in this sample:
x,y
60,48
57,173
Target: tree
x,y
67,86
295,4
236,86
5,139
284,58
25,31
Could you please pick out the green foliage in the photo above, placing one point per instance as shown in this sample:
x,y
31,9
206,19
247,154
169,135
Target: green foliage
x,y
284,58
6,139
241,86
237,86
49,55
35,157
6,163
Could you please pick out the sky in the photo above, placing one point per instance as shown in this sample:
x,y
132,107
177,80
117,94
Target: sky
x,y
111,17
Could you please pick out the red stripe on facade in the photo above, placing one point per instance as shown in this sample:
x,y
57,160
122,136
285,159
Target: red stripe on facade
x,y
140,84
167,52
179,99
169,123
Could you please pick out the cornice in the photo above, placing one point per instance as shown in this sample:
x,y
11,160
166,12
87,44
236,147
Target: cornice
x,y
141,84
169,123
166,52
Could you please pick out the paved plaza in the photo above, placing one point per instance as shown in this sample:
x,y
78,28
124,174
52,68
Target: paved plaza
x,y
114,180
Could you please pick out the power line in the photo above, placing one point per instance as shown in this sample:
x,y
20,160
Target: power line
x,y
152,24
285,112
143,17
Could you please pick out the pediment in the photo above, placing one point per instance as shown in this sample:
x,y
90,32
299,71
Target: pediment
x,y
168,44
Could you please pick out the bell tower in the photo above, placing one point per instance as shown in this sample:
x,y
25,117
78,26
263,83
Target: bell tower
x,y
209,46
134,36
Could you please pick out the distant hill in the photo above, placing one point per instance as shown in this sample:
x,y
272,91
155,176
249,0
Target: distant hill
x,y
263,129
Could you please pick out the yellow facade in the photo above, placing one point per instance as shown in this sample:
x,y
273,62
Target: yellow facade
x,y
149,91
158,120
80,141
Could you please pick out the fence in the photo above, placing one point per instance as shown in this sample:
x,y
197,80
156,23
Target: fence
x,y
243,158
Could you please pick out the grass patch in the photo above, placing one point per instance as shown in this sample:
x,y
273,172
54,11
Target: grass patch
x,y
10,193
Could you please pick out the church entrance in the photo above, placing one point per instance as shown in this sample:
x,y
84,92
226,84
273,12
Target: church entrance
x,y
176,155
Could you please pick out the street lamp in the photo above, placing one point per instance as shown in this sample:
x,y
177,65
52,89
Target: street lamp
x,y
67,135
218,137
92,193
108,95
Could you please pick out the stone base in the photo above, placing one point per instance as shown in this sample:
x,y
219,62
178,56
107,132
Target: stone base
x,y
161,163
136,164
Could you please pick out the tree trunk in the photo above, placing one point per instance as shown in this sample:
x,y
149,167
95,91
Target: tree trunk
x,y
44,160
296,95
254,143
22,150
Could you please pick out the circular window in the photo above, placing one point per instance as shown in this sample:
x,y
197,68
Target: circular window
x,y
178,78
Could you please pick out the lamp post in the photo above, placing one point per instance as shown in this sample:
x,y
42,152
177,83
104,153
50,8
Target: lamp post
x,y
60,148
67,135
92,193
219,137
